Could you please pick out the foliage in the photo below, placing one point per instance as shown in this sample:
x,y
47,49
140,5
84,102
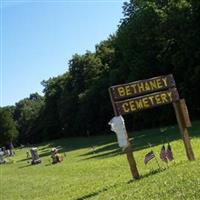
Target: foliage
x,y
8,130
26,114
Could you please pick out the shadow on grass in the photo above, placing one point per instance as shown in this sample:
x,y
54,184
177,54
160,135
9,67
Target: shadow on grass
x,y
115,152
29,165
92,194
152,172
95,150
105,146
141,140
102,152
25,166
24,160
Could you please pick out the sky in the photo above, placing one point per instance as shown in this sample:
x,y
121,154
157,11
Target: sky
x,y
38,38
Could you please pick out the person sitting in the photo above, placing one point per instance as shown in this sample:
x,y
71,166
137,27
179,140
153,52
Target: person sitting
x,y
56,157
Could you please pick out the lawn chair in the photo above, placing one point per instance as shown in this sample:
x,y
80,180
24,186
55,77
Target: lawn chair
x,y
35,156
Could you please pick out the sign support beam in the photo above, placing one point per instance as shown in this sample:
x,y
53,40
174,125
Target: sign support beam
x,y
128,150
183,128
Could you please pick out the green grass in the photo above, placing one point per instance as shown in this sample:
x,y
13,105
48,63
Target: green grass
x,y
104,173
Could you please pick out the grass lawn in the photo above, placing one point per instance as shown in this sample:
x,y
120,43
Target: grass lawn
x,y
95,168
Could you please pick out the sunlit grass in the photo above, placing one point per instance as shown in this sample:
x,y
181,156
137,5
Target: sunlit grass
x,y
95,168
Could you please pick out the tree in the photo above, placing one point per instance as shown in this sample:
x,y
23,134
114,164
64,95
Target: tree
x,y
26,113
8,130
50,126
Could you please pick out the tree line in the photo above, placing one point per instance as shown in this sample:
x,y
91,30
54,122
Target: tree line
x,y
154,37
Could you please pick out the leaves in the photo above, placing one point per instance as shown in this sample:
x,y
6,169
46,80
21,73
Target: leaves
x,y
8,129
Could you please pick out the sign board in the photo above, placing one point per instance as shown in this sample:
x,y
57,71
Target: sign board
x,y
145,94
142,87
147,101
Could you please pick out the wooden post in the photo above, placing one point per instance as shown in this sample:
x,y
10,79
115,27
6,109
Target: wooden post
x,y
183,128
132,162
128,150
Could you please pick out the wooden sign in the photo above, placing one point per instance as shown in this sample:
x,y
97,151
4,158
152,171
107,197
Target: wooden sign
x,y
142,87
147,101
147,94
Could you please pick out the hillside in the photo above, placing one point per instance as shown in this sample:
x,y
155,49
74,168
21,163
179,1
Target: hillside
x,y
95,168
